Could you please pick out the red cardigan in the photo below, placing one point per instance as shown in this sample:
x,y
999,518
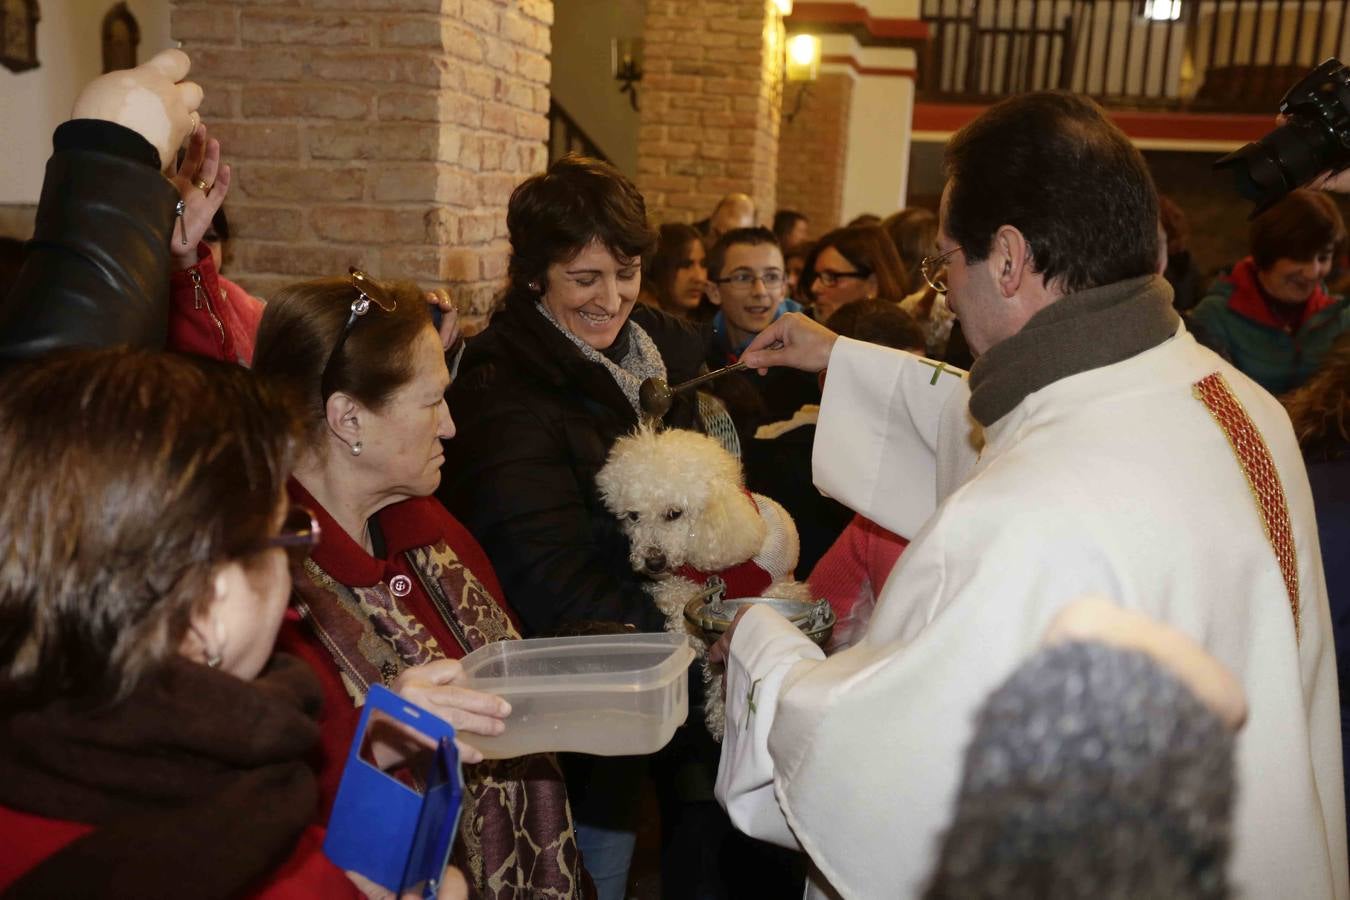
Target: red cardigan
x,y
405,525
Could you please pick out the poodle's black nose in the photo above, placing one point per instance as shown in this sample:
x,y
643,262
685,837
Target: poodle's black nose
x,y
655,561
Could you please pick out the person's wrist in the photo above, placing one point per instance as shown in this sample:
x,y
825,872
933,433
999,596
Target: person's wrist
x,y
830,342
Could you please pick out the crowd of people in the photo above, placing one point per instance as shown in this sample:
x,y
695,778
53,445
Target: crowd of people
x,y
1086,641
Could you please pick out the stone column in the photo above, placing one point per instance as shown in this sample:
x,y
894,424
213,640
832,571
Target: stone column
x,y
386,134
711,97
814,147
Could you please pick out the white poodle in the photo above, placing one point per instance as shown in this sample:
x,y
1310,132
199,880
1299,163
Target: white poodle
x,y
681,499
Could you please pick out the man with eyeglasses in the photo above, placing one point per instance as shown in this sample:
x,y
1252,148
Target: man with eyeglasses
x,y
1096,448
748,285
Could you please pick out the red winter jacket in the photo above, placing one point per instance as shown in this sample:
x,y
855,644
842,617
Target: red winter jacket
x,y
306,875
211,316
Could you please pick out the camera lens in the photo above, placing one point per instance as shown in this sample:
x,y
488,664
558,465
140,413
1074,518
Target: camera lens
x,y
1290,156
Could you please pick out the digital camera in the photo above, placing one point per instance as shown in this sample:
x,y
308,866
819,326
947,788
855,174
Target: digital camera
x,y
1315,138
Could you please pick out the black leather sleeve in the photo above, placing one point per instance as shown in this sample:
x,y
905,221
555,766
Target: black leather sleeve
x,y
96,272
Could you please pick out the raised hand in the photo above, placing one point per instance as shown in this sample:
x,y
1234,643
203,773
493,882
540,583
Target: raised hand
x,y
202,183
152,100
449,330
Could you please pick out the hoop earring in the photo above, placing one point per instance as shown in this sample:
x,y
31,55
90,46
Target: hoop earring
x,y
356,449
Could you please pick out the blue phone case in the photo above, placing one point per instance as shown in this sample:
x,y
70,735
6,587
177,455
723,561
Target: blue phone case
x,y
436,827
384,829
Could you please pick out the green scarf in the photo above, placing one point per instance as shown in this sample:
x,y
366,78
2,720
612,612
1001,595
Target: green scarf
x,y
1076,333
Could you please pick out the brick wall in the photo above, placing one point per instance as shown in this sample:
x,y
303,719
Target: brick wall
x,y
381,133
813,148
710,99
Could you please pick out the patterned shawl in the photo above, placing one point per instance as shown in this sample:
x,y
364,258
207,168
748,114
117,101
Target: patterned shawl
x,y
516,839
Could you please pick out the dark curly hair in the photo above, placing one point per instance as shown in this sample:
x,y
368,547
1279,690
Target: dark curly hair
x,y
555,215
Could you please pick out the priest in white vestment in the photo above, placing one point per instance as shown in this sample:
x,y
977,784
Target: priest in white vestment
x,y
1095,449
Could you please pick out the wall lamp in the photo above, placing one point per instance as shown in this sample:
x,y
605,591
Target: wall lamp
x,y
626,62
803,67
803,57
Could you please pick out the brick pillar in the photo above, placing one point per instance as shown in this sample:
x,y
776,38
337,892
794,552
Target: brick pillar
x,y
711,97
814,147
381,134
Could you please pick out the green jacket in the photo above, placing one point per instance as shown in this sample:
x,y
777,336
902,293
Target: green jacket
x,y
1234,319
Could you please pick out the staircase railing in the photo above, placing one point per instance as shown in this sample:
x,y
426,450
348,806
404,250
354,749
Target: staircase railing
x,y
566,136
1206,55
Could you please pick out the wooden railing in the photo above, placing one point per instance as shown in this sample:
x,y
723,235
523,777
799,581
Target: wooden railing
x,y
566,136
1206,55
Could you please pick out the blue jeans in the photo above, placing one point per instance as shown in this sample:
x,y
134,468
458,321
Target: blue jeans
x,y
604,796
606,853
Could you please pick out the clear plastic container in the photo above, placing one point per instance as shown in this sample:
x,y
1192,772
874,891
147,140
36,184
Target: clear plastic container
x,y
610,695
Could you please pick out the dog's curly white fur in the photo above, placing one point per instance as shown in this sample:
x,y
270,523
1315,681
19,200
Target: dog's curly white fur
x,y
681,500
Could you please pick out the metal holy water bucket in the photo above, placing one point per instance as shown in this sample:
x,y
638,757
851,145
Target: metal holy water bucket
x,y
712,614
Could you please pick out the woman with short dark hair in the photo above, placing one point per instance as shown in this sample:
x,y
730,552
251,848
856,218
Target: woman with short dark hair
x,y
541,395
399,590
149,739
1271,314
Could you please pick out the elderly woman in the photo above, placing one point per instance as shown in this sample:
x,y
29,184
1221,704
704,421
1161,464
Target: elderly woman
x,y
144,724
541,396
854,263
1271,315
398,590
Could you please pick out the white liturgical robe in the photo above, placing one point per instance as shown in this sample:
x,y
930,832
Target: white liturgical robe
x,y
1116,481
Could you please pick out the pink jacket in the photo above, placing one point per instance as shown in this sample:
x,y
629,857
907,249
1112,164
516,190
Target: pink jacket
x,y
852,572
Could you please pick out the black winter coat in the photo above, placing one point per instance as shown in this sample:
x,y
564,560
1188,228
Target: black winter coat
x,y
535,421
96,272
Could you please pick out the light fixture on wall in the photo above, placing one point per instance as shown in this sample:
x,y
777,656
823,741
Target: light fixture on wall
x,y
784,6
626,62
1162,10
803,67
803,57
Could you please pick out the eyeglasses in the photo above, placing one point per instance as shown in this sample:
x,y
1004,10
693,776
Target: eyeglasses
x,y
934,270
829,277
368,291
299,535
744,280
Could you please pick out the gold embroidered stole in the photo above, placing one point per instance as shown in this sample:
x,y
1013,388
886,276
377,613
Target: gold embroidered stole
x,y
1263,479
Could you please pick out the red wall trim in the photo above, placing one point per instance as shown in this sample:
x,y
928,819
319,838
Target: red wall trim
x,y
947,117
844,60
852,18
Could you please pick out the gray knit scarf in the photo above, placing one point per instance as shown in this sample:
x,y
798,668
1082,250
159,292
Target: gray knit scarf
x,y
1076,333
642,361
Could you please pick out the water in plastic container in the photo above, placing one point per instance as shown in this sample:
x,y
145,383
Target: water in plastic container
x,y
611,695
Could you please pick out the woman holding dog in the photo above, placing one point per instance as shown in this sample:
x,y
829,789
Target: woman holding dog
x,y
540,397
